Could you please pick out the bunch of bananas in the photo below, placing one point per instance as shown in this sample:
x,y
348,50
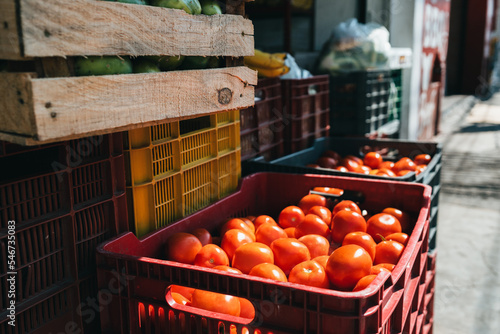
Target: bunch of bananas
x,y
268,65
302,4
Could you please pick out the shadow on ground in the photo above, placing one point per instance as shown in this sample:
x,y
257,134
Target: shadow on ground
x,y
479,127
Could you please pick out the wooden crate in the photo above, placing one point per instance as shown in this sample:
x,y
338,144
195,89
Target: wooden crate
x,y
46,104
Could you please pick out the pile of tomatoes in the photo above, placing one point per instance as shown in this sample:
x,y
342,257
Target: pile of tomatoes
x,y
316,243
372,163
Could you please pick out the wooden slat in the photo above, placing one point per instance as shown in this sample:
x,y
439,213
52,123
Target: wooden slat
x,y
10,47
86,27
74,107
16,103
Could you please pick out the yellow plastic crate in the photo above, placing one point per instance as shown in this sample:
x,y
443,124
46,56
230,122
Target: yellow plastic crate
x,y
177,168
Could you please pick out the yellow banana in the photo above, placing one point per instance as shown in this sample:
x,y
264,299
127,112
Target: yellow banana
x,y
281,55
270,72
264,60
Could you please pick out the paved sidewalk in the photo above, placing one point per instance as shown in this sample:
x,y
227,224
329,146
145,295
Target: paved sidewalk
x,y
467,293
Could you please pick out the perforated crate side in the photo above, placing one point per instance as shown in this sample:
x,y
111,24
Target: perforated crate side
x,y
303,97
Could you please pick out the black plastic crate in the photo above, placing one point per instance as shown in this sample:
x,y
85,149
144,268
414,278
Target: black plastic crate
x,y
261,126
296,163
361,102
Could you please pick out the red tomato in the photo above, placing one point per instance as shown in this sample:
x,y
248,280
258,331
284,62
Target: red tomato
x,y
386,172
210,256
386,165
267,233
228,269
345,222
332,154
309,273
364,282
312,224
345,205
361,239
382,224
233,239
290,232
422,159
183,291
372,160
216,302
351,165
249,223
291,216
404,218
236,223
404,164
308,201
263,219
377,269
288,253
402,238
317,244
358,160
327,162
249,255
347,265
322,212
183,247
388,252
268,270
322,260
247,310
328,190
342,169
203,235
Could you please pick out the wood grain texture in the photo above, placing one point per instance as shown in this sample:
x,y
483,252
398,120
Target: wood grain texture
x,y
86,27
10,47
16,103
86,105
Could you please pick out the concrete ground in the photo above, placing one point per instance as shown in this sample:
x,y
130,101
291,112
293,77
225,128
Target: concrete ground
x,y
467,292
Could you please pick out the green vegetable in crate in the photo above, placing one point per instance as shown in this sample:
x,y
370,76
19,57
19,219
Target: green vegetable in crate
x,y
142,65
167,63
135,2
189,6
102,65
210,7
195,62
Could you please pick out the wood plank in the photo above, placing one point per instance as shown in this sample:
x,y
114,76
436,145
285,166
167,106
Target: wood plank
x,y
10,47
86,105
16,103
86,27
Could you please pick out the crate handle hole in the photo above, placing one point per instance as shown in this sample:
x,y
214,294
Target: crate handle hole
x,y
181,298
312,89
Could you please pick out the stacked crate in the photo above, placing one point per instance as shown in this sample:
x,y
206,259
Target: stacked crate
x,y
65,199
62,214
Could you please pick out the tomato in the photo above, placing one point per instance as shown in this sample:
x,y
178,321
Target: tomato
x,y
383,224
249,223
203,235
361,239
249,255
386,165
236,223
309,273
365,170
291,216
328,190
420,169
183,291
372,160
233,239
290,232
216,302
358,160
288,253
388,251
364,282
404,164
268,270
312,224
247,310
327,162
308,201
342,169
322,212
347,265
402,238
183,247
228,269
345,205
210,256
322,260
386,172
404,218
422,159
403,172
180,299
377,269
351,165
332,154
345,222
263,219
267,233
312,165
374,172
250,218
317,244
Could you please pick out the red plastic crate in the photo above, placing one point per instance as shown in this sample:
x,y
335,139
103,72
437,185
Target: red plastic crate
x,y
261,126
281,307
306,105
